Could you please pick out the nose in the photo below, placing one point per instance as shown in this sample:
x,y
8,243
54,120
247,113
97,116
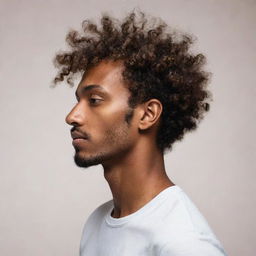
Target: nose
x,y
75,116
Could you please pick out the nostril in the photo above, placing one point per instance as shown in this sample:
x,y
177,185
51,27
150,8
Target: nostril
x,y
74,124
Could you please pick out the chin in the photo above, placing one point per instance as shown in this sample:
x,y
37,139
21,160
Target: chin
x,y
85,161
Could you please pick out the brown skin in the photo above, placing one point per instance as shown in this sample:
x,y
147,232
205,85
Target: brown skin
x,y
133,165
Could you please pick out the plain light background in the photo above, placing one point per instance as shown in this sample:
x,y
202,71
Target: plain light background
x,y
45,199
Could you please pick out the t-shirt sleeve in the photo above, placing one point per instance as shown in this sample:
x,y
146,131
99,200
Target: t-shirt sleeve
x,y
192,246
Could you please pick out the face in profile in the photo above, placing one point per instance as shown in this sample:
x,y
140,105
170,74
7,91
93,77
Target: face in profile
x,y
103,130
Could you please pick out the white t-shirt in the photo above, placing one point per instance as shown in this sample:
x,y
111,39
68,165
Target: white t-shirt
x,y
168,225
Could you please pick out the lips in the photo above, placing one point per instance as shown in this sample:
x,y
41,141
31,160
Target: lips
x,y
78,138
79,142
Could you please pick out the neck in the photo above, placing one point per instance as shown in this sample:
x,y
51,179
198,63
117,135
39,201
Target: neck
x,y
137,178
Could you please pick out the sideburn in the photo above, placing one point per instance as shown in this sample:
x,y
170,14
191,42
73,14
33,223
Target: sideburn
x,y
129,115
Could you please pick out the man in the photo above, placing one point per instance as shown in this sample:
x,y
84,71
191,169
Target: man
x,y
141,91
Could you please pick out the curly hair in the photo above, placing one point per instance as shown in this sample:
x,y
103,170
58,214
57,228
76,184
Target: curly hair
x,y
157,62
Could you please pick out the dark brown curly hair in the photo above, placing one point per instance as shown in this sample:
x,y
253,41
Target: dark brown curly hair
x,y
158,64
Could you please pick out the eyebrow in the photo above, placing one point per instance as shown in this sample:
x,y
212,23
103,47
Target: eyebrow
x,y
90,87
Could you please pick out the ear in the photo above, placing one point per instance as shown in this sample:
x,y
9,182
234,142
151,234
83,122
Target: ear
x,y
150,114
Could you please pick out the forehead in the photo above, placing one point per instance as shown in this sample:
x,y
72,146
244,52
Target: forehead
x,y
108,75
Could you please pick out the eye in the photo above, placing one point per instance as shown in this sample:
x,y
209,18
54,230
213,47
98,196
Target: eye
x,y
94,101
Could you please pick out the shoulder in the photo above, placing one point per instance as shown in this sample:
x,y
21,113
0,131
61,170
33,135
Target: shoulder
x,y
192,244
102,209
98,214
184,215
94,221
185,230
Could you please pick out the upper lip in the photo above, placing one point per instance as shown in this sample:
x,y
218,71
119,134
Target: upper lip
x,y
77,135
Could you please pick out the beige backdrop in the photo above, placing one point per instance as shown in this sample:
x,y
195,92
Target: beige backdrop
x,y
45,198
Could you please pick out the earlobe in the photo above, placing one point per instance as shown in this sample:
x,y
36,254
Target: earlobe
x,y
152,110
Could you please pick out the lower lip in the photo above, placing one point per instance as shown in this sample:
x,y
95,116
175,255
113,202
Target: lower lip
x,y
77,142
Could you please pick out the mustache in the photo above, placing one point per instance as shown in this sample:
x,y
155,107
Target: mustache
x,y
82,133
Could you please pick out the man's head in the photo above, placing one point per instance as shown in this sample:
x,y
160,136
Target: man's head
x,y
105,127
153,64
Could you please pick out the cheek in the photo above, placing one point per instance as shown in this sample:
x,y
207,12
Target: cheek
x,y
113,128
113,115
110,118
